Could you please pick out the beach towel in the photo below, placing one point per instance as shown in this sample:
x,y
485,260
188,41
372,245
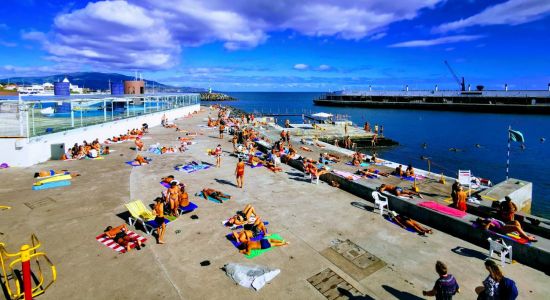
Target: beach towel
x,y
236,243
192,167
102,238
53,179
189,208
256,166
165,184
95,158
410,178
346,175
51,185
53,175
4,166
363,164
443,209
200,194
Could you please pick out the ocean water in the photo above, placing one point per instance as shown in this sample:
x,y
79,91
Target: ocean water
x,y
440,131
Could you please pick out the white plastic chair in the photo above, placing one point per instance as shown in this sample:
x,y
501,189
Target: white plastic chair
x,y
379,202
500,247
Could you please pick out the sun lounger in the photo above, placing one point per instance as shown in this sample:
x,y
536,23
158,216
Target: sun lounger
x,y
139,212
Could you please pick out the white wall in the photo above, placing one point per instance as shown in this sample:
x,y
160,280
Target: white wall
x,y
24,152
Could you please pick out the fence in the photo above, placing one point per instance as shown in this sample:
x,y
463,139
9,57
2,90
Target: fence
x,y
33,118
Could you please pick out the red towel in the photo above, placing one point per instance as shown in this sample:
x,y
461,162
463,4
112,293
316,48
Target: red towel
x,y
443,209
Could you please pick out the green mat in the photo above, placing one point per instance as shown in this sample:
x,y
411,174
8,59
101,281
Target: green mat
x,y
170,218
258,252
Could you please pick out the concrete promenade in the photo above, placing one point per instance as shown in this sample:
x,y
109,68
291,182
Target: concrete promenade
x,y
309,216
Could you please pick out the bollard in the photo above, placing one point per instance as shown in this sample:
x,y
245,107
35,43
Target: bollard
x,y
26,264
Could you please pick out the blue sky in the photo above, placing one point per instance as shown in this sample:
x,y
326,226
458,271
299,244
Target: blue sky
x,y
308,45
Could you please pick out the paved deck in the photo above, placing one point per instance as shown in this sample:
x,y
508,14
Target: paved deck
x,y
309,216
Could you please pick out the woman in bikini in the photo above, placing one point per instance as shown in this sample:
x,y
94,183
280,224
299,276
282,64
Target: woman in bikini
x,y
247,247
184,197
212,193
407,222
239,173
173,196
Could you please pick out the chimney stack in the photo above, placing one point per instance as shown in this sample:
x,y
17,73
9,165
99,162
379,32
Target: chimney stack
x,y
407,87
469,87
436,88
506,87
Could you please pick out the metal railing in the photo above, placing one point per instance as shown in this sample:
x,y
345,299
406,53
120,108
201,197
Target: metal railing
x,y
29,118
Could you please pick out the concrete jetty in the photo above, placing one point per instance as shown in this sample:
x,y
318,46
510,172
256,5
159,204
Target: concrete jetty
x,y
319,221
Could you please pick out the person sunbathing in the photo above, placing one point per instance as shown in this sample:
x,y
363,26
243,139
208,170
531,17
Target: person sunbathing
x,y
356,160
272,166
410,171
140,160
139,144
212,193
242,217
504,228
168,179
407,222
399,171
120,236
173,197
106,150
372,172
398,191
54,173
306,148
266,243
183,196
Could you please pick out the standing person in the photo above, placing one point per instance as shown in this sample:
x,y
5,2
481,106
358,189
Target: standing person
x,y
461,199
218,154
445,286
163,120
381,133
288,137
454,193
239,172
222,128
172,197
346,129
159,219
489,290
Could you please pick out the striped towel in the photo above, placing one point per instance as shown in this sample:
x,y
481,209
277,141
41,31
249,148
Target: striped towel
x,y
102,238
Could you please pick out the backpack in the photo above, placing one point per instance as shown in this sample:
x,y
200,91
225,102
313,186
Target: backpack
x,y
507,289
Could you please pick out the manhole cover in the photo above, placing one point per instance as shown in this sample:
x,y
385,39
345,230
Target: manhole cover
x,y
332,286
352,259
40,202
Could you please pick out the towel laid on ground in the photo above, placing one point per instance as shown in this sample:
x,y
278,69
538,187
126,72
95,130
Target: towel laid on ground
x,y
258,252
347,175
512,236
50,185
363,164
189,208
443,209
192,167
102,238
393,222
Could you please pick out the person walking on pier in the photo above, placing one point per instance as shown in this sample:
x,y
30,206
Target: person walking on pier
x,y
239,172
381,133
446,286
375,128
218,154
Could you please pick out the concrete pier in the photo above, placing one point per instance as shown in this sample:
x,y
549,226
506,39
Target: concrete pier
x,y
317,220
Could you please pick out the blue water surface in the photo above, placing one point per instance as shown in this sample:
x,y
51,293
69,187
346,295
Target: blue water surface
x,y
440,130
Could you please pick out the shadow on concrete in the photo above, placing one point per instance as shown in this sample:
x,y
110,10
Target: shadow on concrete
x,y
349,295
400,294
223,181
302,179
469,252
362,206
295,173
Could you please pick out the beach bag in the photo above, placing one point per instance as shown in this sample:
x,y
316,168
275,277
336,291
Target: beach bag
x,y
507,289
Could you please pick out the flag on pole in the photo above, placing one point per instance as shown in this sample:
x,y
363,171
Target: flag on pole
x,y
516,136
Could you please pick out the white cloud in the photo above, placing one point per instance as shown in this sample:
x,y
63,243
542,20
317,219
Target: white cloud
x,y
377,36
149,34
324,68
437,41
512,12
301,67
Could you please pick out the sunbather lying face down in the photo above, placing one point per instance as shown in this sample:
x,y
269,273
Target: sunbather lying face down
x,y
119,235
261,244
398,191
54,173
212,193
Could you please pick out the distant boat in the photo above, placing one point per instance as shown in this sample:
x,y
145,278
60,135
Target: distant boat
x,y
47,111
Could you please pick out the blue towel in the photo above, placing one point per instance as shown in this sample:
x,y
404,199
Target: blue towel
x,y
189,208
50,185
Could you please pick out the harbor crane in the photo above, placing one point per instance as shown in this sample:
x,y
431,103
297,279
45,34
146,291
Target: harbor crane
x,y
460,82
